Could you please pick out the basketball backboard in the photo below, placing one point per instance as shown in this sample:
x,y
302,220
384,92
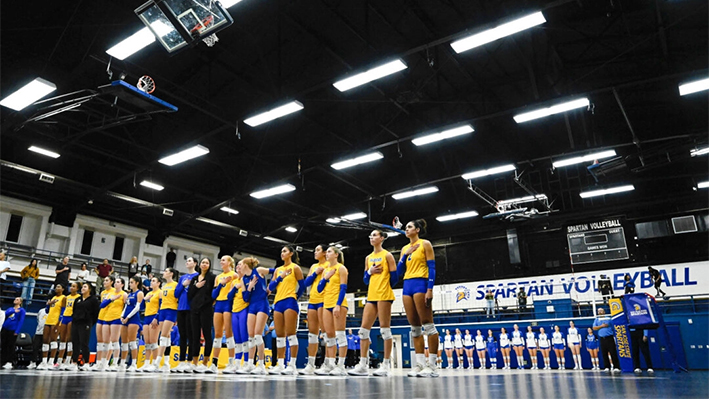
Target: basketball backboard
x,y
179,23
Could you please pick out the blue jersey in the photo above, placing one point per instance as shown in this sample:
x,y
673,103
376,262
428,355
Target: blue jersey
x,y
131,303
591,341
491,345
259,293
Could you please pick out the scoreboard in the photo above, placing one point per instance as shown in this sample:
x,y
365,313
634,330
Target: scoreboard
x,y
597,242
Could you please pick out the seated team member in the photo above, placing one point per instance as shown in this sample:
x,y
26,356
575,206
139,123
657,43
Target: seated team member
x,y
151,329
315,308
14,318
480,348
65,345
222,314
379,274
468,345
334,287
518,346
505,348
492,349
130,319
51,328
544,347
574,342
288,284
592,348
532,347
112,326
101,339
167,315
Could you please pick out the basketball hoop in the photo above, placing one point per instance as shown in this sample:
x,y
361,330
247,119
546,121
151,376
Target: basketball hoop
x,y
211,40
146,84
202,26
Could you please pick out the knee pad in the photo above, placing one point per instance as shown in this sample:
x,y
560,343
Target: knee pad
x,y
280,342
240,348
416,331
313,338
293,340
363,334
251,343
386,333
341,338
153,346
230,344
62,346
430,329
53,345
258,340
115,345
133,345
124,347
45,347
164,341
69,347
330,342
100,347
217,343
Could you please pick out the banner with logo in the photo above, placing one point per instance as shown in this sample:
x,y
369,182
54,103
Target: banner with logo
x,y
639,311
622,337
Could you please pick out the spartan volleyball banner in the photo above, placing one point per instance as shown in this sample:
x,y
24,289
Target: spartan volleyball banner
x,y
677,279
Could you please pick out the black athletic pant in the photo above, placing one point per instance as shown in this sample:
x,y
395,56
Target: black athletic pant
x,y
184,326
202,323
608,347
637,344
8,339
80,334
37,348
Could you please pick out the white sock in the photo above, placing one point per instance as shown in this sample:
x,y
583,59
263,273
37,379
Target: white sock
x,y
134,362
432,360
421,359
311,360
341,361
157,361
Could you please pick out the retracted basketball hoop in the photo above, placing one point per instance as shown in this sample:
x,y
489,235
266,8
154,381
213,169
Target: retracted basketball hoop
x,y
146,84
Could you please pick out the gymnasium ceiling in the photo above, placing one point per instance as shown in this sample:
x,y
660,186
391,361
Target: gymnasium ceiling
x,y
626,56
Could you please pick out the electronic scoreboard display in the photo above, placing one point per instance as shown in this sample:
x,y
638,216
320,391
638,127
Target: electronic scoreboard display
x,y
601,241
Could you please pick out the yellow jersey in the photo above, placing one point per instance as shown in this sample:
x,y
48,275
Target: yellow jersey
x,y
288,287
315,296
167,294
239,304
379,284
224,291
332,290
69,311
416,266
105,294
55,310
114,310
152,303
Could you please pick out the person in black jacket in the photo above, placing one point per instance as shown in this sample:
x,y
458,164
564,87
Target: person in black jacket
x,y
202,311
86,309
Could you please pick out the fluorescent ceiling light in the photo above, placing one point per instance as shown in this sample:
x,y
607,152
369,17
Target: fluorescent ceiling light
x,y
131,45
585,158
130,199
357,161
596,193
22,168
274,239
184,155
355,216
28,94
214,222
273,191
291,229
42,151
447,134
370,75
333,220
229,3
522,200
703,184
693,87
556,109
229,210
498,32
414,193
152,185
488,172
462,215
699,151
275,113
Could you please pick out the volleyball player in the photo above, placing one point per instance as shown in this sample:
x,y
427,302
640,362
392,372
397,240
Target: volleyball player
x,y
130,319
202,314
379,275
559,343
65,345
315,307
532,347
184,321
222,314
51,328
167,315
112,326
448,348
334,287
480,348
544,347
574,341
239,319
288,284
101,339
468,345
505,348
418,259
592,348
492,349
458,344
518,346
257,297
151,331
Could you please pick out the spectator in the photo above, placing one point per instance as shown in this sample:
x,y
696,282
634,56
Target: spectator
x,y
350,359
171,257
104,270
29,276
490,299
657,279
147,268
86,309
629,284
63,271
521,300
38,339
83,274
638,343
4,268
605,287
133,267
14,318
602,324
146,281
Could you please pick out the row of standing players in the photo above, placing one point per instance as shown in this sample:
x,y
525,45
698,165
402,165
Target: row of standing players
x,y
517,341
235,305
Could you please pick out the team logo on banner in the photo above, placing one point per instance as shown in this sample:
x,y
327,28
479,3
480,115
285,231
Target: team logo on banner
x,y
615,305
462,293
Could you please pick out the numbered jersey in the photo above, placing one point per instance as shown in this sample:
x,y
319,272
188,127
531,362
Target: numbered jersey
x,y
379,283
